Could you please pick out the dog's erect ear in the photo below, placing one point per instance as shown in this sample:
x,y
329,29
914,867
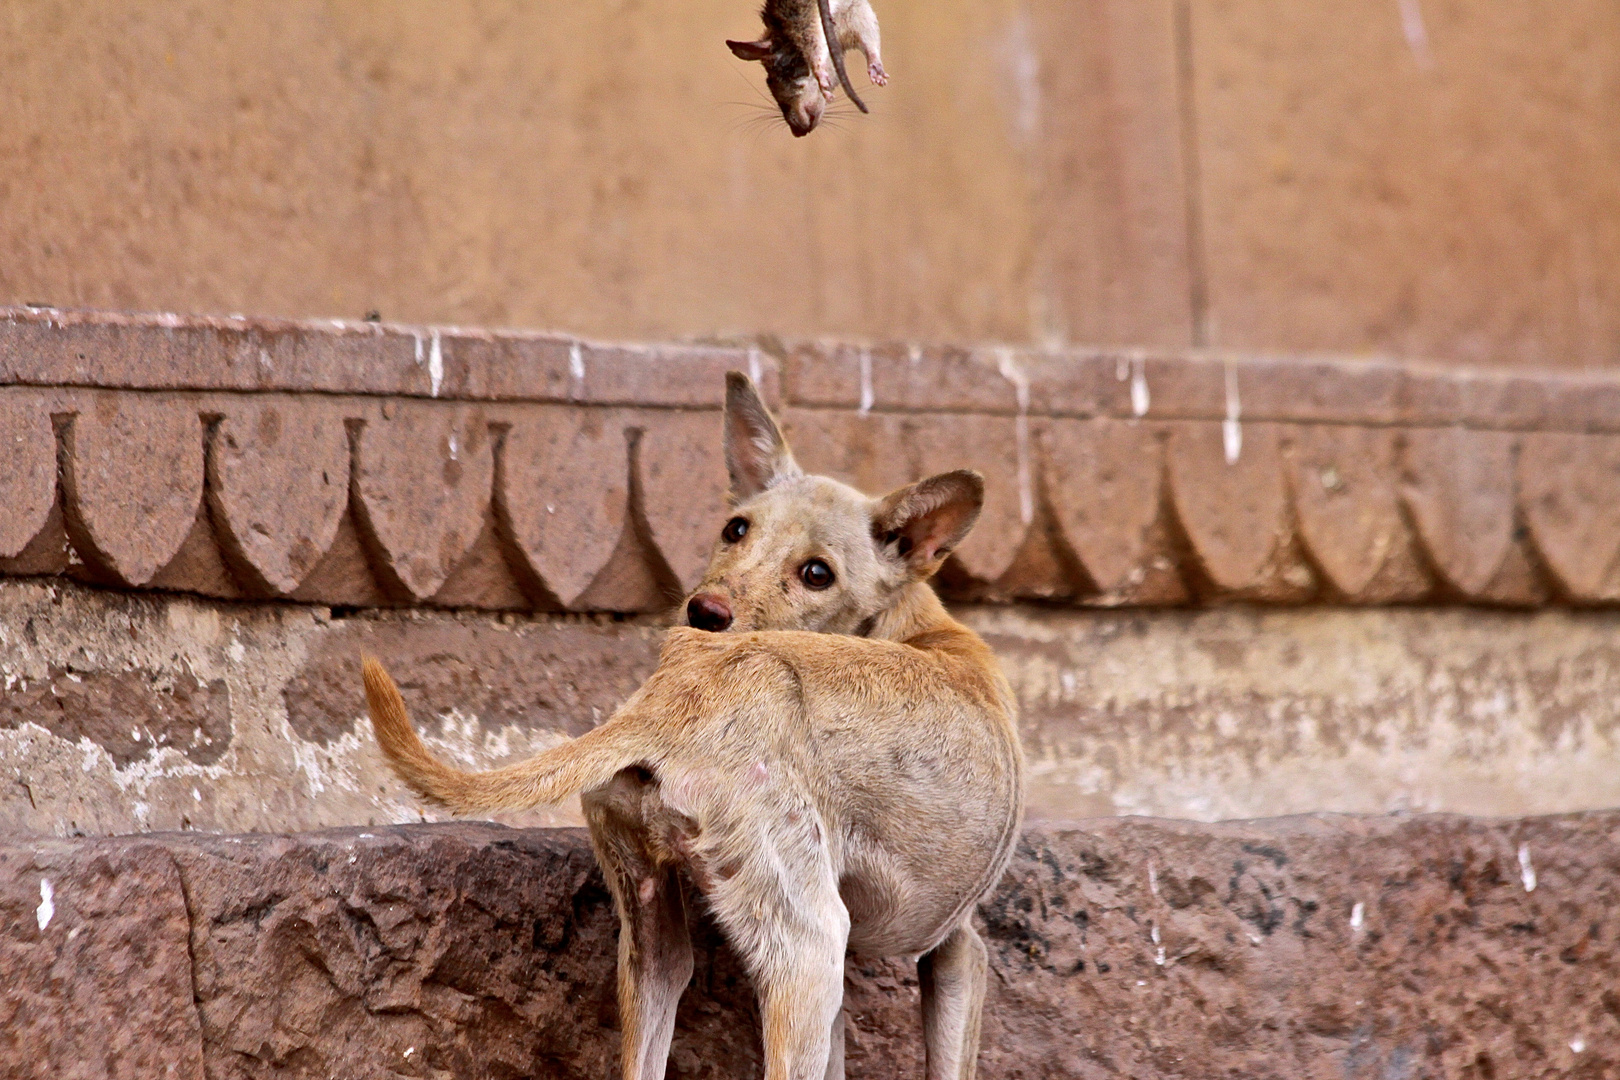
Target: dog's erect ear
x,y
756,454
751,50
922,523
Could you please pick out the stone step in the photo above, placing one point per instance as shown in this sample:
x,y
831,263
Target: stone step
x,y
1317,946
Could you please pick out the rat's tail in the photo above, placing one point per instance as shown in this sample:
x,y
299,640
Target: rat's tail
x,y
549,777
837,52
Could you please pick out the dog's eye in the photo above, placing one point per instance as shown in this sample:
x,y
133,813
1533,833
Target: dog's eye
x,y
816,574
735,530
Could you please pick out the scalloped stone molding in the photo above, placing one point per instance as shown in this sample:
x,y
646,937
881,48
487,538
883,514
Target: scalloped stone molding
x,y
364,465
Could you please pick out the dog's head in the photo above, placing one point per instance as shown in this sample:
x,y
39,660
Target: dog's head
x,y
801,552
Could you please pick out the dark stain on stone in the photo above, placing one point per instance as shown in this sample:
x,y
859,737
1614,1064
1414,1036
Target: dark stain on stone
x,y
1265,851
567,677
130,714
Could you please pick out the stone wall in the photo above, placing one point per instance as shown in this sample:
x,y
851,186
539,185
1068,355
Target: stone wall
x,y
1222,586
123,713
363,465
1303,947
1426,178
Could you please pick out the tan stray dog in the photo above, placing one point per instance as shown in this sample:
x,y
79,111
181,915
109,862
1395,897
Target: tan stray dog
x,y
841,771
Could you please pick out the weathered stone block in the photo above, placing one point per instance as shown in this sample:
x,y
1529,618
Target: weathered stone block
x,y
1312,946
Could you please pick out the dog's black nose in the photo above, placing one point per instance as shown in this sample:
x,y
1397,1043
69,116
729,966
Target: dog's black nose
x,y
708,613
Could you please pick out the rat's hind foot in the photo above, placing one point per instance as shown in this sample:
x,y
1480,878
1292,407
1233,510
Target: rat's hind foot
x,y
878,76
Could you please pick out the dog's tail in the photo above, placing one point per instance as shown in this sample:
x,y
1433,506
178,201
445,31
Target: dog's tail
x,y
549,777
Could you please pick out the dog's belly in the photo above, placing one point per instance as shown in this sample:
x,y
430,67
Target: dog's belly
x,y
903,896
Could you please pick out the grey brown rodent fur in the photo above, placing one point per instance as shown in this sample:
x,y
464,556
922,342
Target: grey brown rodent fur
x,y
800,65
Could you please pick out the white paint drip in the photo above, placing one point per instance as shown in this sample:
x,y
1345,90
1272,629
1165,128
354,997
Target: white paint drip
x,y
455,447
576,370
1139,388
1527,873
753,364
866,382
1158,956
47,904
418,338
435,365
1417,35
1008,366
1358,916
1022,60
1153,880
1232,427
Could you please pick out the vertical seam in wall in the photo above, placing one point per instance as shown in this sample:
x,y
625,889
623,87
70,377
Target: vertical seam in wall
x,y
1191,177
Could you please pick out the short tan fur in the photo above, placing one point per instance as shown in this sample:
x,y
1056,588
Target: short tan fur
x,y
833,765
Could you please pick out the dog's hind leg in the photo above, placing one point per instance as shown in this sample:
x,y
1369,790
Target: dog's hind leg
x,y
953,980
655,948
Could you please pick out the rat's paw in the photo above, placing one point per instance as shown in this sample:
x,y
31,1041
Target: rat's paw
x,y
824,79
878,76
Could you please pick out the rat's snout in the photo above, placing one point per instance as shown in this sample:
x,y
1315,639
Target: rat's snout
x,y
708,613
803,115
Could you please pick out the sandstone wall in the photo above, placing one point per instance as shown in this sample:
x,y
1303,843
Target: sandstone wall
x,y
1426,178
1222,587
1304,947
124,714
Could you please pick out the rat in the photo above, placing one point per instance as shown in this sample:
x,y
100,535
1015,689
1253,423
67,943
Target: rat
x,y
795,51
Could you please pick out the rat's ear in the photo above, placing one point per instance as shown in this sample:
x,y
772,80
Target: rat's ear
x,y
756,454
922,523
751,50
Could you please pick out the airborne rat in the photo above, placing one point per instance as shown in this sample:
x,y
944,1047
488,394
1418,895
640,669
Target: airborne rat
x,y
799,65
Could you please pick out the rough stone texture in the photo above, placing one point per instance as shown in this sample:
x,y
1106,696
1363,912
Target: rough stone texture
x,y
1227,486
1570,491
565,676
424,477
1459,486
566,488
27,468
682,474
278,485
123,713
1239,713
1108,479
1316,946
95,943
132,475
1103,483
126,713
1343,481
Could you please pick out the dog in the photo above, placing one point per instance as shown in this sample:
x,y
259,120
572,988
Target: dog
x,y
824,754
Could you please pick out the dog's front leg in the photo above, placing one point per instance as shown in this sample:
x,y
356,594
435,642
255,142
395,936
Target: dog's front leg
x,y
835,1050
782,914
953,980
801,1000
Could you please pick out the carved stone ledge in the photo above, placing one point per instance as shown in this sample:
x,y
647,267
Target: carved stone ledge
x,y
365,465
